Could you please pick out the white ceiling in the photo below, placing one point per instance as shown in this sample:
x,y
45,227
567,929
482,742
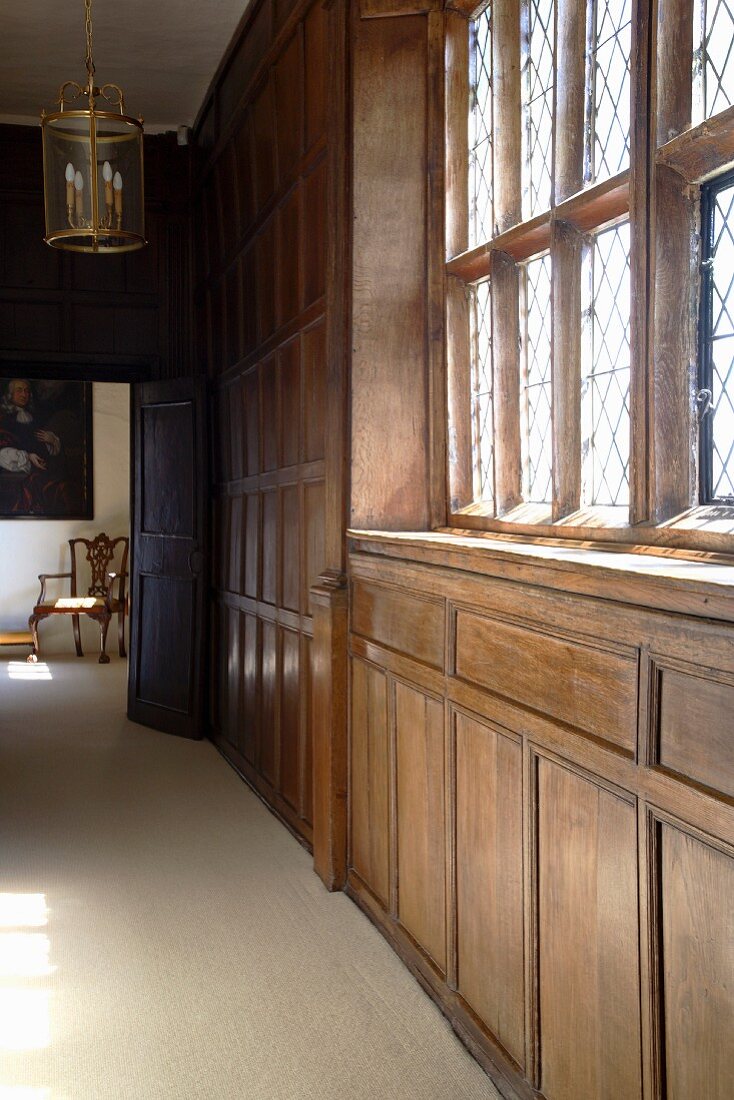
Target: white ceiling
x,y
163,53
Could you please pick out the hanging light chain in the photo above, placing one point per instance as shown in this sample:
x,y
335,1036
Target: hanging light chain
x,y
88,59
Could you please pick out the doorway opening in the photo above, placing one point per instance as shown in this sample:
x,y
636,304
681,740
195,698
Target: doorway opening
x,y
64,474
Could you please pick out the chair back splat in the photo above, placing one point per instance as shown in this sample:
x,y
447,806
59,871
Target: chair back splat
x,y
100,552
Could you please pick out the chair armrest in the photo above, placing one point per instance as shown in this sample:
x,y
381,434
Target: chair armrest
x,y
43,577
116,577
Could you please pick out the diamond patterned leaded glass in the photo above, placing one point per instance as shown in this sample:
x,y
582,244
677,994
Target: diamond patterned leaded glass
x,y
610,77
713,58
482,393
605,375
536,396
480,129
722,346
537,107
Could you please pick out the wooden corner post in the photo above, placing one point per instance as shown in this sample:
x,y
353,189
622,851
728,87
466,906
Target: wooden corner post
x,y
329,603
329,725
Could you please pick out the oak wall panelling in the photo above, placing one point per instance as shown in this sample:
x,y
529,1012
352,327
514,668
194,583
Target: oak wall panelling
x,y
369,791
519,832
590,1042
421,819
489,878
697,918
538,768
389,401
271,348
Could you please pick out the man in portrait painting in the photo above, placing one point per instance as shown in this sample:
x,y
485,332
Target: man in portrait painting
x,y
35,478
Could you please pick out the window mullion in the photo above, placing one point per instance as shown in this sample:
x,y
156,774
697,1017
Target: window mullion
x,y
569,99
457,134
507,138
642,135
459,353
673,348
506,370
674,65
566,251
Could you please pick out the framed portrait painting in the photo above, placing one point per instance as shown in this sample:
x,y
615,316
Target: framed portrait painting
x,y
45,448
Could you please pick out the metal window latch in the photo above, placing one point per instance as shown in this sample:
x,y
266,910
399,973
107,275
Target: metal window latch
x,y
704,403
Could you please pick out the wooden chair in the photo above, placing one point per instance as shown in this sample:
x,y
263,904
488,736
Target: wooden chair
x,y
16,638
99,603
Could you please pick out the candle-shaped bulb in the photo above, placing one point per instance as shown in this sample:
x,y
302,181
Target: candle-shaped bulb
x,y
78,198
69,176
107,177
117,184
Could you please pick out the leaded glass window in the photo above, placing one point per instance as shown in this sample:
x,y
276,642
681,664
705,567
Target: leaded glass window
x,y
609,78
537,106
713,57
482,393
716,396
581,375
537,438
605,382
480,128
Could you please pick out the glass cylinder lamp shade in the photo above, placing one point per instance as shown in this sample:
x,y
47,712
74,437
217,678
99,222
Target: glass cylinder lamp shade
x,y
93,181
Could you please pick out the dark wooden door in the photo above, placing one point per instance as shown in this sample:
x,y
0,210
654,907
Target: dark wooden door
x,y
167,592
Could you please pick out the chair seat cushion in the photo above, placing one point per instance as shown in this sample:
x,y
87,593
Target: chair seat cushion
x,y
16,637
75,605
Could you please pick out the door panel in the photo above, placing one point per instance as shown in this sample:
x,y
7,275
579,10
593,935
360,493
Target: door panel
x,y
369,778
167,431
697,884
167,622
489,884
165,669
588,933
419,736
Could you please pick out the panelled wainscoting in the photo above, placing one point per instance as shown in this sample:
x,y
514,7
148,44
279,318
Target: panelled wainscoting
x,y
262,292
540,797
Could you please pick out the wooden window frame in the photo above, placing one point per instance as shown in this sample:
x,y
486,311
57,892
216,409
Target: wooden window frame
x,y
669,159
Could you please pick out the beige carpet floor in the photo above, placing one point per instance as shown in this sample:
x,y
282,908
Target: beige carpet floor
x,y
162,935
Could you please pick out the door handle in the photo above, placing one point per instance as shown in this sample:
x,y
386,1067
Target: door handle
x,y
196,560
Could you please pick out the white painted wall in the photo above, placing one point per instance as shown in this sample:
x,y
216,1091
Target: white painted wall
x,y
32,546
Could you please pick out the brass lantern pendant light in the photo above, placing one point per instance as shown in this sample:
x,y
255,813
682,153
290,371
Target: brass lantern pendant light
x,y
93,167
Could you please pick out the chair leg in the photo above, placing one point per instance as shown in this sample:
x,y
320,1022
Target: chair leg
x,y
121,632
33,627
103,624
77,635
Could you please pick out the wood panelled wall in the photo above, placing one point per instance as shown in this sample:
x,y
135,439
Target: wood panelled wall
x,y
541,818
126,311
541,802
262,303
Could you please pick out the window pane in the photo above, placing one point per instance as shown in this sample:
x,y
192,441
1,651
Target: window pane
x,y
610,81
536,396
605,375
713,58
722,346
537,106
482,394
480,129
